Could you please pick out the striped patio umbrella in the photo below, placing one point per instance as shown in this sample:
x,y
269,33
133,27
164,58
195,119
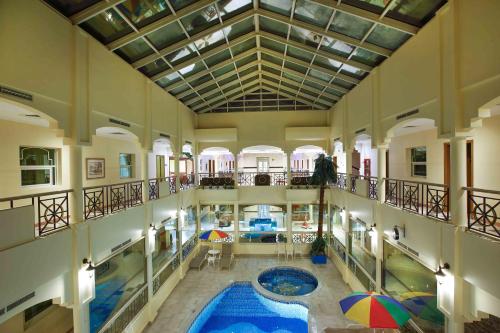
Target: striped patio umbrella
x,y
374,310
212,235
422,305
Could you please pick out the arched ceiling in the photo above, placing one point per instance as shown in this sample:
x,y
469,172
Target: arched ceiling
x,y
252,55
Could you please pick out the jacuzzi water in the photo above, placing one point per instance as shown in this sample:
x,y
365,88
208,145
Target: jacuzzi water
x,y
241,309
288,281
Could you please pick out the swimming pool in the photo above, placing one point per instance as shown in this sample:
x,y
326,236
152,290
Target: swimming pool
x,y
241,309
288,281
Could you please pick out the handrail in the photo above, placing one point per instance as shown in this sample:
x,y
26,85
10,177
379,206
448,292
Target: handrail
x,y
416,182
116,184
27,196
475,189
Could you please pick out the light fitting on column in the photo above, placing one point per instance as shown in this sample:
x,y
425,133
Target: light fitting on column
x,y
88,262
440,274
396,231
371,230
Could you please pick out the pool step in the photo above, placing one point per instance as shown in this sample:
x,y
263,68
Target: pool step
x,y
241,301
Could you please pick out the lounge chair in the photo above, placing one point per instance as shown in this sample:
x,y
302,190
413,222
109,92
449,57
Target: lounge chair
x,y
200,258
227,255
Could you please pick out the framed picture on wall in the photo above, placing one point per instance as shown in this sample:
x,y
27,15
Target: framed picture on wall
x,y
95,168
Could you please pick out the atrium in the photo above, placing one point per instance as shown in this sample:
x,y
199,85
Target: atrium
x,y
249,166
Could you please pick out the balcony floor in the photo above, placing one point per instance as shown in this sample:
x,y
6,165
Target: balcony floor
x,y
198,288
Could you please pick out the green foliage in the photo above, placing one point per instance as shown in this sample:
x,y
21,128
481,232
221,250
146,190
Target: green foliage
x,y
282,238
187,154
318,247
325,171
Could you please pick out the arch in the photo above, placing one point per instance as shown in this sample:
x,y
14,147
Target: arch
x,y
20,113
187,148
214,160
215,151
409,126
262,149
116,133
303,157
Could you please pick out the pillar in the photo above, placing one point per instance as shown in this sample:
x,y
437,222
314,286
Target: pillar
x,y
177,173
348,166
289,232
288,167
235,170
381,172
236,213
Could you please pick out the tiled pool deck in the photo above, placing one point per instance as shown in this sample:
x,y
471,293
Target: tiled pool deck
x,y
198,287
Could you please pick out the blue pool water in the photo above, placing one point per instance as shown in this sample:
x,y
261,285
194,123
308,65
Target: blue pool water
x,y
241,309
107,296
288,281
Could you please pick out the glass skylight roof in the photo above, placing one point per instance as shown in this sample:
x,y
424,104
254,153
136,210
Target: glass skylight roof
x,y
246,55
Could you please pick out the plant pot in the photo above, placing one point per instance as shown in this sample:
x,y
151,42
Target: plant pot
x,y
319,259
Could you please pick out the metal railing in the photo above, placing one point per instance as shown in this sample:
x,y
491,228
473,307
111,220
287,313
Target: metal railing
x,y
426,199
127,313
187,181
372,187
108,199
353,182
483,209
154,191
216,180
262,178
189,246
162,276
341,180
301,178
51,210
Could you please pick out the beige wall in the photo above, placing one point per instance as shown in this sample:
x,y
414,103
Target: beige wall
x,y
399,156
55,319
486,159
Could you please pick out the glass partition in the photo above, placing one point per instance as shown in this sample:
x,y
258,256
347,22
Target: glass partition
x,y
220,217
360,246
189,225
335,227
116,281
414,285
166,244
262,223
305,218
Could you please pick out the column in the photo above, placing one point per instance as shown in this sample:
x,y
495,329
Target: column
x,y
289,232
177,173
381,172
236,214
235,170
288,168
348,166
76,183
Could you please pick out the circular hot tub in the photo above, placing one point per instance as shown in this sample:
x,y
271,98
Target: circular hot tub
x,y
288,281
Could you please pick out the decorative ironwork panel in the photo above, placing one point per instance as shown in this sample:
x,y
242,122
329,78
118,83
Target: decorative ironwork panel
x,y
172,182
278,178
483,211
165,273
304,238
372,188
188,247
246,178
411,196
341,180
135,194
154,189
125,316
437,202
52,213
117,197
354,179
391,192
94,202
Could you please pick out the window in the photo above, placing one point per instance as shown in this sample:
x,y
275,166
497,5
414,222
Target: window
x,y
38,166
166,244
262,164
126,165
419,162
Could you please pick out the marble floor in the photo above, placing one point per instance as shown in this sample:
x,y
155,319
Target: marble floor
x,y
198,287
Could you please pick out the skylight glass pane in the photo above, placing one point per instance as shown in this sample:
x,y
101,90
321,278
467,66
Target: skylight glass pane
x,y
142,13
154,67
230,8
229,79
179,89
179,4
207,89
295,67
239,29
375,6
246,81
292,77
246,60
134,50
107,26
200,20
308,92
313,85
188,97
166,36
232,87
305,36
350,25
310,12
272,45
169,79
299,54
271,70
271,59
367,57
211,41
218,58
343,84
273,26
181,55
270,78
332,91
69,8
249,70
244,46
352,71
223,70
327,63
200,80
192,69
320,75
283,7
336,47
387,37
414,12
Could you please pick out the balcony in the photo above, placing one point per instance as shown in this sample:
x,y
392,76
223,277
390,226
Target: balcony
x,y
160,187
262,178
483,209
220,180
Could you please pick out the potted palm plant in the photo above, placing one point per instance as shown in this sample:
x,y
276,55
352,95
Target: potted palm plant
x,y
325,173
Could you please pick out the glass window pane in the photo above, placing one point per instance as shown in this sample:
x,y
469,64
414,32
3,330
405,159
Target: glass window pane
x,y
230,8
419,154
299,54
135,50
343,84
414,12
313,85
180,89
200,20
246,60
116,281
29,156
244,46
188,97
327,63
350,25
192,69
142,13
336,47
169,79
107,26
166,245
320,75
352,71
154,67
305,36
312,13
211,41
387,37
220,217
229,79
360,246
332,91
367,57
201,80
271,70
218,58
184,54
295,67
273,26
249,70
283,7
207,89
272,45
179,4
166,36
239,29
292,77
375,6
69,8
272,59
223,70
36,177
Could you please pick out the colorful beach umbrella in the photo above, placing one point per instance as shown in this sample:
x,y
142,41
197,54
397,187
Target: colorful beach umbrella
x,y
374,310
422,305
212,235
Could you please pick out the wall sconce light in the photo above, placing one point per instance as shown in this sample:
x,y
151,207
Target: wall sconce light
x,y
395,233
440,274
89,263
371,230
153,228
